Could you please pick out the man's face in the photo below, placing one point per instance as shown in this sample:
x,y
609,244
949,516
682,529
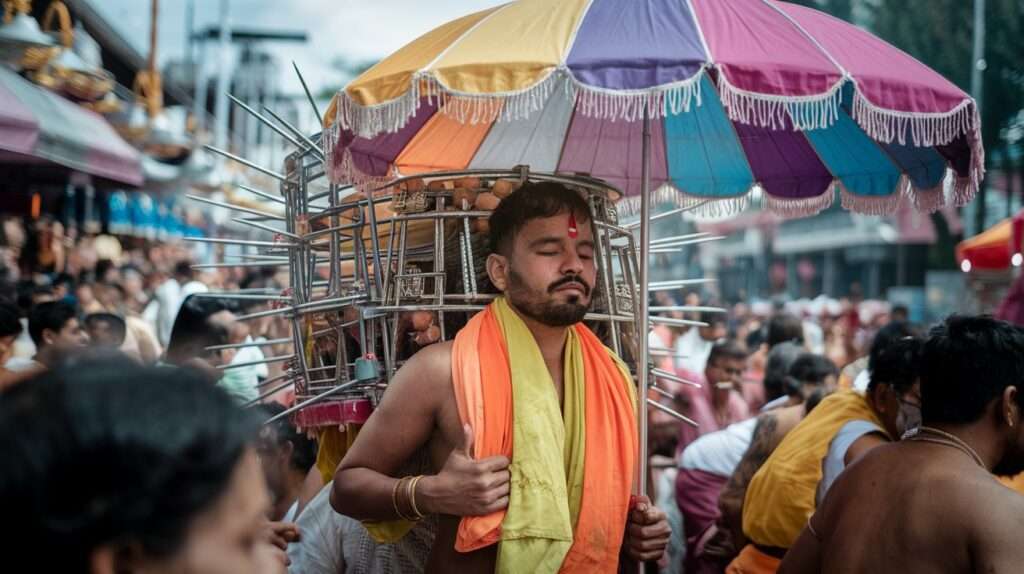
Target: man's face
x,y
550,274
6,348
71,337
103,334
725,371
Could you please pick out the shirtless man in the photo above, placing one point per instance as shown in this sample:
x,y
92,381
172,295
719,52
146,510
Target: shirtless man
x,y
543,264
930,503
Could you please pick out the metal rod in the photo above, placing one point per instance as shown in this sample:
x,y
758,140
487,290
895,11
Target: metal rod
x,y
672,412
233,207
665,285
252,344
679,238
315,399
692,242
240,264
267,122
245,162
642,325
636,224
268,228
662,392
248,242
254,363
693,308
671,321
309,96
262,194
670,377
271,392
242,296
298,133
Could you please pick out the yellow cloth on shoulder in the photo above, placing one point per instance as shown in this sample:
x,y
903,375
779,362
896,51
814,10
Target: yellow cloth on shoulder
x,y
781,496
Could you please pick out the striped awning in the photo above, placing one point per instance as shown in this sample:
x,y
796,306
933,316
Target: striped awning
x,y
36,124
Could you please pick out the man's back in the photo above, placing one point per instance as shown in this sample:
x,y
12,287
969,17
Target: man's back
x,y
918,507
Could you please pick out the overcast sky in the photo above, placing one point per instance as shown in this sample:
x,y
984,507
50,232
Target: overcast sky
x,y
356,30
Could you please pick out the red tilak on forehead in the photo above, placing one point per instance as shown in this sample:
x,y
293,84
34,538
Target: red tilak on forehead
x,y
573,230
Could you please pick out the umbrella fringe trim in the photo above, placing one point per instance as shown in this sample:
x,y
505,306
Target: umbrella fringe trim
x,y
804,207
778,112
700,206
629,105
925,129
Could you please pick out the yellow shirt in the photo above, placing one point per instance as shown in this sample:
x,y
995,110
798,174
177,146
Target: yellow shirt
x,y
781,496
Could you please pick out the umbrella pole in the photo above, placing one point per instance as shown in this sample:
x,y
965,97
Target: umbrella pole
x,y
643,325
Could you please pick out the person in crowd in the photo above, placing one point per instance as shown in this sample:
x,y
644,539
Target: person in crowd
x,y
287,457
10,329
114,467
105,330
718,402
511,489
711,461
776,376
856,375
201,323
798,473
57,334
168,299
901,497
693,348
140,337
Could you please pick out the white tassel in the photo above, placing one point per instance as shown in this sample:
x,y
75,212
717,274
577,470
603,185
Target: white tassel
x,y
804,207
771,111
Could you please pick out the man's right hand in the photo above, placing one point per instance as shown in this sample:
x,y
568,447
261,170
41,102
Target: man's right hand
x,y
466,487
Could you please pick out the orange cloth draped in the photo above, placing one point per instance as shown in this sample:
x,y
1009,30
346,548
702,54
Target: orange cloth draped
x,y
483,393
753,561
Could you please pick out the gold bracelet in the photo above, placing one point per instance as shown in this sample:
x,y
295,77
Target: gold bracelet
x,y
394,498
412,497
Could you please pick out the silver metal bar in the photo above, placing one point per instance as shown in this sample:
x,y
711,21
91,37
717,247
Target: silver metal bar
x,y
248,242
254,363
671,321
636,224
253,344
667,285
672,412
670,377
240,264
267,122
692,242
262,194
246,163
242,296
662,392
309,96
315,399
693,308
297,132
234,207
267,228
269,393
664,240
642,312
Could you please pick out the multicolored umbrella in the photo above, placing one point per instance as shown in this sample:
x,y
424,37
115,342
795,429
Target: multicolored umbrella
x,y
745,96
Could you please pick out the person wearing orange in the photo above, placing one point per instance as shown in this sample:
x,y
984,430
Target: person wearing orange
x,y
528,420
845,426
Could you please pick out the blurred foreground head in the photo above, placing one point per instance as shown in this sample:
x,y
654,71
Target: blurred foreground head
x,y
114,467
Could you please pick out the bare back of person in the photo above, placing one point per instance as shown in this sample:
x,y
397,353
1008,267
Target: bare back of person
x,y
915,507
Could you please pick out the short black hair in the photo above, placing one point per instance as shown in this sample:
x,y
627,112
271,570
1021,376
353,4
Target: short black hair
x,y
898,365
114,453
117,324
966,363
809,368
784,328
184,269
713,318
10,323
303,447
534,200
776,369
887,335
193,332
52,315
727,350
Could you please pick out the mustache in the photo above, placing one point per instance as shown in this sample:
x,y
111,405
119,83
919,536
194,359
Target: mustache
x,y
569,279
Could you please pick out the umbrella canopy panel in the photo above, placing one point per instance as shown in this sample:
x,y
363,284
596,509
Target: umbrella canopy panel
x,y
744,94
44,126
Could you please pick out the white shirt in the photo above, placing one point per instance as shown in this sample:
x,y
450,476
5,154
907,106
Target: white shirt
x,y
168,298
694,351
835,460
720,452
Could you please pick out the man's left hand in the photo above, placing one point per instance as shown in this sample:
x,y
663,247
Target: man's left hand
x,y
647,530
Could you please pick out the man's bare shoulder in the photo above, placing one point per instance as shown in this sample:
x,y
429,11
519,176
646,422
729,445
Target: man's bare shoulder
x,y
431,367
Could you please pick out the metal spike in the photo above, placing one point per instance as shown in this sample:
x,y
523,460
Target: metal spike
x,y
317,399
245,162
665,285
665,409
688,308
242,297
689,242
252,344
636,224
259,225
269,393
309,96
263,194
677,322
267,122
670,377
662,392
248,242
254,363
298,133
233,207
676,238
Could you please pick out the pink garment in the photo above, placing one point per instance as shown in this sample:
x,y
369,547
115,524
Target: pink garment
x,y
701,409
1012,307
697,494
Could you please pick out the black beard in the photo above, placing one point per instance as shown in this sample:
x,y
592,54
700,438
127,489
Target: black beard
x,y
547,311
